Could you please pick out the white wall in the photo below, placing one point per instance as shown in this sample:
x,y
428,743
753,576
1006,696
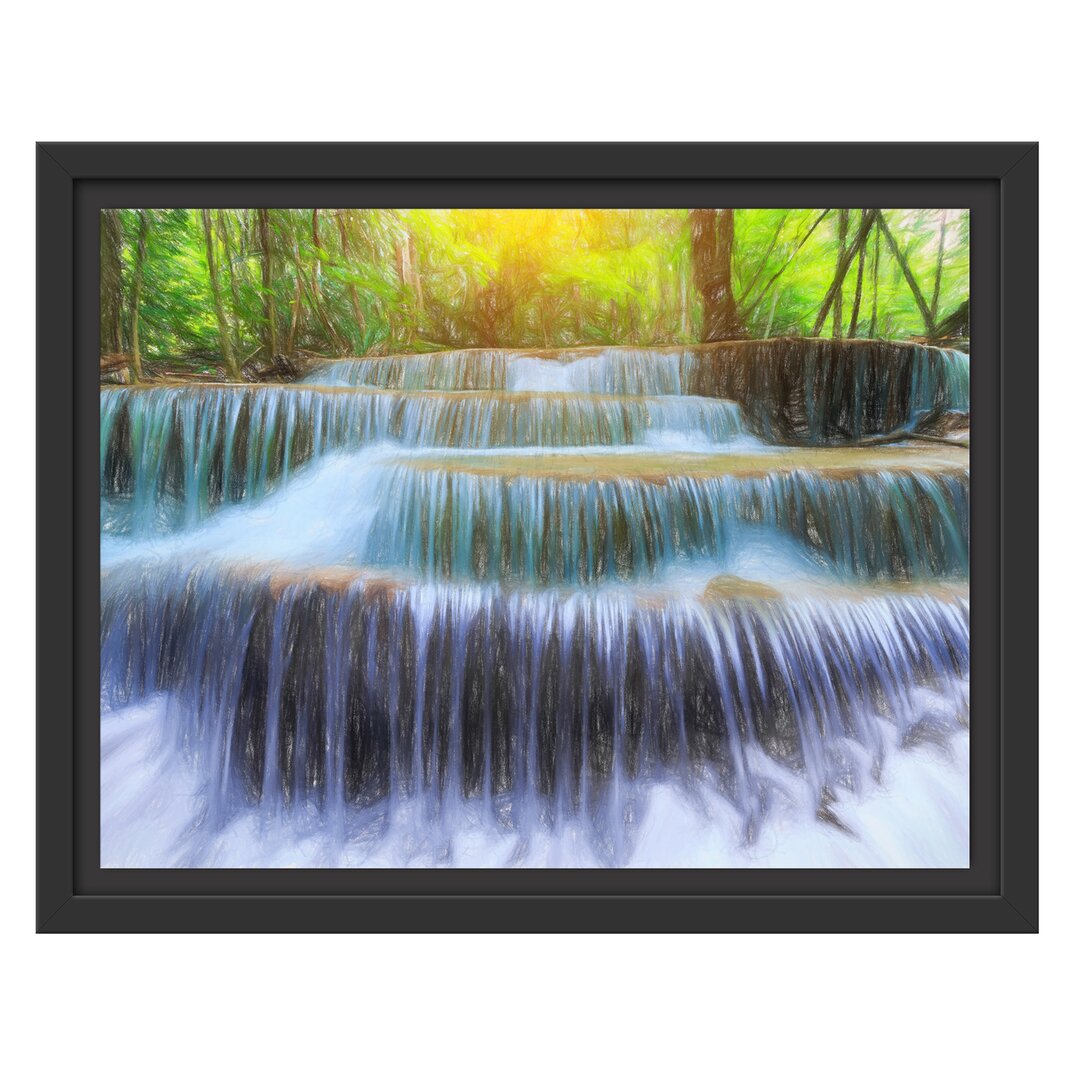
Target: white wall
x,y
886,1007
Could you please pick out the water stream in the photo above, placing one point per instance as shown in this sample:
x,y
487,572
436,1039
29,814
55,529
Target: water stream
x,y
483,608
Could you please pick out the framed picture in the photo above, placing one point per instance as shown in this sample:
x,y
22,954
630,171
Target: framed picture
x,y
508,537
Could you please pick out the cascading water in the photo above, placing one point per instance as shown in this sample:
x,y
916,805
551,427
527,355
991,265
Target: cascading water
x,y
620,371
479,518
793,390
171,455
358,691
491,609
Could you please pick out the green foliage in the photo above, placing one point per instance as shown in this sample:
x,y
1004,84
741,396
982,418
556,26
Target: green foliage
x,y
791,305
360,281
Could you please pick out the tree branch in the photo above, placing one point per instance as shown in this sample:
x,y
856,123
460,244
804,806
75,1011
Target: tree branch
x,y
924,308
769,284
842,269
765,258
940,266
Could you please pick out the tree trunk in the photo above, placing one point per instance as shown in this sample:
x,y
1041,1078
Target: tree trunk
x,y
489,311
316,270
234,292
136,296
877,259
841,271
662,326
901,258
838,300
764,259
854,327
337,345
575,307
940,265
772,312
294,320
633,321
956,325
270,338
684,303
110,335
354,294
224,333
410,281
712,237
749,307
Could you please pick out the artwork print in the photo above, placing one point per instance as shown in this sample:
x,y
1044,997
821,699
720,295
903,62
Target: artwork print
x,y
534,538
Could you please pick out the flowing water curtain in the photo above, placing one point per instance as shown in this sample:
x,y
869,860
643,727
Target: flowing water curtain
x,y
298,689
500,687
475,521
803,391
609,371
202,447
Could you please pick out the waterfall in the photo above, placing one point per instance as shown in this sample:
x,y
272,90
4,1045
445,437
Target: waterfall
x,y
357,690
437,517
799,391
793,390
956,370
610,371
523,592
193,448
466,369
619,371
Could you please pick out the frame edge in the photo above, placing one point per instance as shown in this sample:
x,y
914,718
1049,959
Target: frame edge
x,y
55,545
59,909
1020,528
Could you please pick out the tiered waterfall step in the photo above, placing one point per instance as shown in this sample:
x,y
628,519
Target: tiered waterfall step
x,y
424,630
348,687
569,518
204,445
793,390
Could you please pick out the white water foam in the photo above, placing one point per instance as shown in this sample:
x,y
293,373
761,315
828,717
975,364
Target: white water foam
x,y
916,816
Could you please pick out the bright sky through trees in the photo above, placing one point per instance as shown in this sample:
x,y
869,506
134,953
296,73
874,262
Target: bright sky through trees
x,y
225,287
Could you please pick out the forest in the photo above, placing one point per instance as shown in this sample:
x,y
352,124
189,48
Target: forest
x,y
241,294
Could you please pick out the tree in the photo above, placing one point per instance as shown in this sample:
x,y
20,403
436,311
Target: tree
x,y
854,327
270,336
223,228
112,292
905,266
411,287
874,278
745,292
284,281
354,294
940,264
712,236
750,305
842,268
232,363
838,299
136,295
956,325
337,343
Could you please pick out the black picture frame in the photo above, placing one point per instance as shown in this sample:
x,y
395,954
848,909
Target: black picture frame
x,y
998,181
